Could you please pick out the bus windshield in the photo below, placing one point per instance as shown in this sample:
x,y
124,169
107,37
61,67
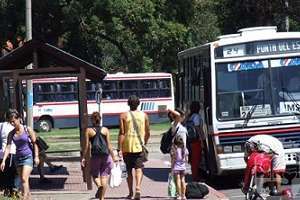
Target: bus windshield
x,y
265,88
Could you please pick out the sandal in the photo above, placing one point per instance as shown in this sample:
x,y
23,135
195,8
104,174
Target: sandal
x,y
99,192
137,196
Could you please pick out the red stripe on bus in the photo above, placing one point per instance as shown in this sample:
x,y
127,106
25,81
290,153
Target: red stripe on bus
x,y
103,101
104,114
256,132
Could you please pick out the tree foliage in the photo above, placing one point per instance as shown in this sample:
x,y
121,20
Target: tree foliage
x,y
139,35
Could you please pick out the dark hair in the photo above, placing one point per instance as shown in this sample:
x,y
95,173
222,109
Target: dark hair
x,y
97,117
133,102
180,111
12,113
195,107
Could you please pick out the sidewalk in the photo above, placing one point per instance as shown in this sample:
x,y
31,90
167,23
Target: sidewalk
x,y
67,184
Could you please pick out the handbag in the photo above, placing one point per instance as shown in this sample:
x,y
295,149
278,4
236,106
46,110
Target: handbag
x,y
145,151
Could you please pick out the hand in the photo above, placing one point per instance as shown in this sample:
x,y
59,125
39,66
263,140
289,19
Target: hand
x,y
36,160
83,162
2,166
115,159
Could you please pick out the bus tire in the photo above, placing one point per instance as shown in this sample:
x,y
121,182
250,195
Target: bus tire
x,y
44,125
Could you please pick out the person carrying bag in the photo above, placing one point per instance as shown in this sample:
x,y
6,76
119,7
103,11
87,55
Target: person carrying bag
x,y
145,151
133,136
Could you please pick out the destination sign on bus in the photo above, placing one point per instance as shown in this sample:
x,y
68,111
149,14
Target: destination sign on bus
x,y
259,48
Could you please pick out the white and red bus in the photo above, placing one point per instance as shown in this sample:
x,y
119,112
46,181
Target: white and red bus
x,y
248,83
56,99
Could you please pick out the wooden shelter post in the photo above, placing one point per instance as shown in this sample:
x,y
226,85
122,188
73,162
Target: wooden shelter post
x,y
83,124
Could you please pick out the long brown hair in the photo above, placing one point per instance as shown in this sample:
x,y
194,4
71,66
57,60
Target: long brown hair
x,y
97,117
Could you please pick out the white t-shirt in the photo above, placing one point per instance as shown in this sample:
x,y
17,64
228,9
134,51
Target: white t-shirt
x,y
181,130
268,142
5,129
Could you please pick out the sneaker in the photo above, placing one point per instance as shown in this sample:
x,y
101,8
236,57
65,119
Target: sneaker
x,y
55,168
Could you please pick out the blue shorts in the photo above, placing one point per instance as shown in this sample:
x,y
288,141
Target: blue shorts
x,y
24,160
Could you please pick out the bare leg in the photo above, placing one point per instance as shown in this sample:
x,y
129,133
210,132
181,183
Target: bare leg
x,y
104,186
178,184
130,183
138,178
97,181
278,182
25,173
41,168
183,185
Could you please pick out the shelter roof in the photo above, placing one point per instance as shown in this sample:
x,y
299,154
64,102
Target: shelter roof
x,y
47,57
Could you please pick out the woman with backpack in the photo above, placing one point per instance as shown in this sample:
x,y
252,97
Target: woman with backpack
x,y
102,158
27,152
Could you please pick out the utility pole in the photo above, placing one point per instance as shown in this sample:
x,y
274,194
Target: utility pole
x,y
29,107
287,23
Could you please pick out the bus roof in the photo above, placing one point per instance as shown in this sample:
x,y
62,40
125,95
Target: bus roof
x,y
117,76
246,35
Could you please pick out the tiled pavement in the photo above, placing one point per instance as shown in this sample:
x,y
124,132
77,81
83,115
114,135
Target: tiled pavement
x,y
67,183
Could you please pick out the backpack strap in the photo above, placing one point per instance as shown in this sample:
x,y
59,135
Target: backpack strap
x,y
135,126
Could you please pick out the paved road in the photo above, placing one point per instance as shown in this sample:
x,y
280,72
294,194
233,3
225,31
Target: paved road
x,y
230,186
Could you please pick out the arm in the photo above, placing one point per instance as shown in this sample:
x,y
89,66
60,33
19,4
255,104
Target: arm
x,y
35,146
7,149
85,146
147,129
106,132
121,132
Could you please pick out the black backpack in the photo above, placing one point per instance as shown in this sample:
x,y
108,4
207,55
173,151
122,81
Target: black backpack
x,y
192,133
166,141
196,190
99,145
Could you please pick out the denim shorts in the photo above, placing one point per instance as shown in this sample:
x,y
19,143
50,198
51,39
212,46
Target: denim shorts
x,y
24,160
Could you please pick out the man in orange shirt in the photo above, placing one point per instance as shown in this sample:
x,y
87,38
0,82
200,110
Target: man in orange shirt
x,y
133,123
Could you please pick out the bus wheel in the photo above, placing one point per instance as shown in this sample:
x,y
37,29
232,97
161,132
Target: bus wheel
x,y
44,125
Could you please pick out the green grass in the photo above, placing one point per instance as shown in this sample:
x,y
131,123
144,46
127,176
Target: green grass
x,y
68,139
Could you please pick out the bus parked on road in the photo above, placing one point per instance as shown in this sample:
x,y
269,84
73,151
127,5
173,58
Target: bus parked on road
x,y
247,83
56,99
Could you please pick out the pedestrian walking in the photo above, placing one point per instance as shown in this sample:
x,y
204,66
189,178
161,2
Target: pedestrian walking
x,y
103,156
179,157
134,133
44,159
26,150
8,175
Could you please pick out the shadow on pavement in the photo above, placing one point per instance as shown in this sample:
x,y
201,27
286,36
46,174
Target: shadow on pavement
x,y
232,181
157,174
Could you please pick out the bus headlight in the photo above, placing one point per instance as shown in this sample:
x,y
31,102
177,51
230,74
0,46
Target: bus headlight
x,y
227,149
237,148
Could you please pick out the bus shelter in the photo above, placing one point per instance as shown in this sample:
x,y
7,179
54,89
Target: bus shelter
x,y
47,62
